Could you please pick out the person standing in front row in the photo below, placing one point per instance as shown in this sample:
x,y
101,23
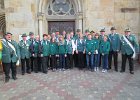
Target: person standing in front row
x,y
62,52
90,49
53,54
104,50
97,52
80,50
25,54
10,56
45,53
129,47
114,40
70,47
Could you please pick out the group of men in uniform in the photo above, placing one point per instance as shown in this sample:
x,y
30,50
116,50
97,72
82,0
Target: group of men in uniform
x,y
31,51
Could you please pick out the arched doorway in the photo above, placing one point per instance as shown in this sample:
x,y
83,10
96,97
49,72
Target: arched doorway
x,y
59,15
2,19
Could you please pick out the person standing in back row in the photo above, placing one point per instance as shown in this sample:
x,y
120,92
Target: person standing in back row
x,y
114,40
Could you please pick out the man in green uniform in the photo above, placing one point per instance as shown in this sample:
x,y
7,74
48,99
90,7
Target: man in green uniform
x,y
10,55
129,47
25,54
114,40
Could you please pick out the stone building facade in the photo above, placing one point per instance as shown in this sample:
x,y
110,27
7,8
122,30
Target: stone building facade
x,y
46,16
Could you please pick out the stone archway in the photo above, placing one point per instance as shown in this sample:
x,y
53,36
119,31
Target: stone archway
x,y
43,18
2,18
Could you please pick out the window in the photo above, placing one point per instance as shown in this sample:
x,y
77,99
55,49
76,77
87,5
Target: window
x,y
61,8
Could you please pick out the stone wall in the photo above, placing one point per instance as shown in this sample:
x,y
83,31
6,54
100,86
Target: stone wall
x,y
106,13
21,15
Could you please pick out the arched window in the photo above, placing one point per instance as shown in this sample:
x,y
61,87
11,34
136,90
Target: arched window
x,y
61,8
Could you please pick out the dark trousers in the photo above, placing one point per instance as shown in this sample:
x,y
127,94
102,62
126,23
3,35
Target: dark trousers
x,y
69,61
131,64
96,60
113,54
80,60
45,64
25,65
105,61
62,60
35,63
32,63
7,67
90,61
39,60
53,61
75,57
100,61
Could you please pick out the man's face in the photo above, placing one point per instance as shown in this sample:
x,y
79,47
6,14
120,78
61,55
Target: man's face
x,y
102,33
112,31
8,37
45,37
127,33
24,38
31,36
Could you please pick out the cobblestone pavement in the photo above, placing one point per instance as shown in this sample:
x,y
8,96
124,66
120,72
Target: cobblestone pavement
x,y
73,85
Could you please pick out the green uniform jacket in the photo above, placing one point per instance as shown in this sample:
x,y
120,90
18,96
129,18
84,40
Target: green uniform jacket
x,y
62,48
7,51
97,44
90,47
69,47
53,48
45,48
114,40
24,49
80,45
125,48
105,47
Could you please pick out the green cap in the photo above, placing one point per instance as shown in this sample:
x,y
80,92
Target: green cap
x,y
102,30
8,33
78,30
86,31
24,35
31,33
127,30
113,28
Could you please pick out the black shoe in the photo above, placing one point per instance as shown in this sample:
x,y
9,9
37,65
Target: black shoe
x,y
15,78
23,73
116,70
6,80
28,72
122,71
45,72
131,72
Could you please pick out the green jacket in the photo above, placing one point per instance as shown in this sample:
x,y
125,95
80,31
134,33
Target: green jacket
x,y
90,47
80,45
114,40
24,49
125,48
69,46
8,54
96,43
105,47
62,48
53,48
45,48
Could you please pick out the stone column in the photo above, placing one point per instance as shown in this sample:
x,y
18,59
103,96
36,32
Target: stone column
x,y
40,25
79,21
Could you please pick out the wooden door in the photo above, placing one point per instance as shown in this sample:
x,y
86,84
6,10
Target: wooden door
x,y
61,26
